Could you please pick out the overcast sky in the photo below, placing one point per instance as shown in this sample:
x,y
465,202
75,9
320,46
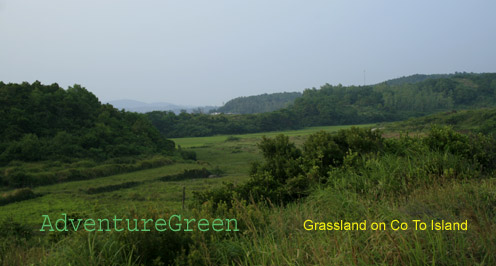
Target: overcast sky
x,y
206,52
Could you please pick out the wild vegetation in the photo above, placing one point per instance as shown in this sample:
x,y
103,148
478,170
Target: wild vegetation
x,y
353,175
362,161
270,182
477,120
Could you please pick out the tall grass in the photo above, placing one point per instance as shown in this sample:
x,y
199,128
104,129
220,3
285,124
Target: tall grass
x,y
391,175
281,239
84,248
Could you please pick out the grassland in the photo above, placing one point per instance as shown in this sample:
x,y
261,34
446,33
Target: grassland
x,y
432,186
232,157
202,141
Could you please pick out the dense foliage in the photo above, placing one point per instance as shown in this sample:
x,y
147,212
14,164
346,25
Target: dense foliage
x,y
39,122
352,175
334,105
340,105
259,103
478,120
197,124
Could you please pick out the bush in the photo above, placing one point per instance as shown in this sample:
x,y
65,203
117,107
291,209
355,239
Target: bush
x,y
188,155
216,196
282,159
359,140
18,178
232,138
187,174
320,151
446,139
479,149
280,178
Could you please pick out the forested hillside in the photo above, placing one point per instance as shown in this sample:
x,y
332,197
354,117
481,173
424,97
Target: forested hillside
x,y
341,105
39,122
259,103
415,78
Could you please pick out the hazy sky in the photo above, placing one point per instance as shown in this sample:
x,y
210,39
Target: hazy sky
x,y
206,52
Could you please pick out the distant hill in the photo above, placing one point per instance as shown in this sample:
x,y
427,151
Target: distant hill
x,y
142,107
335,105
346,105
259,103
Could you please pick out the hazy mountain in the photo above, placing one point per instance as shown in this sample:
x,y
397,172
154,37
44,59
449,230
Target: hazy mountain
x,y
142,107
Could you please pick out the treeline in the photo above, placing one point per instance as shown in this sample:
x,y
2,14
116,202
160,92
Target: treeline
x,y
197,124
40,122
338,105
416,78
259,103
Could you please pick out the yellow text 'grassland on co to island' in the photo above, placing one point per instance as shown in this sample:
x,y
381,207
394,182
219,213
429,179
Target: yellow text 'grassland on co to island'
x,y
395,225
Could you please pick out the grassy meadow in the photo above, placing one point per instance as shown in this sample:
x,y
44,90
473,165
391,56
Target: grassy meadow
x,y
233,157
205,141
430,185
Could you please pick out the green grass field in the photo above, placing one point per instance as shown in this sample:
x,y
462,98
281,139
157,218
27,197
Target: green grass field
x,y
271,235
232,157
201,141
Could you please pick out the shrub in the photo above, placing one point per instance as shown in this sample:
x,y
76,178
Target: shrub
x,y
282,158
479,148
188,155
391,175
187,174
360,140
18,178
483,150
446,139
320,151
222,194
232,138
